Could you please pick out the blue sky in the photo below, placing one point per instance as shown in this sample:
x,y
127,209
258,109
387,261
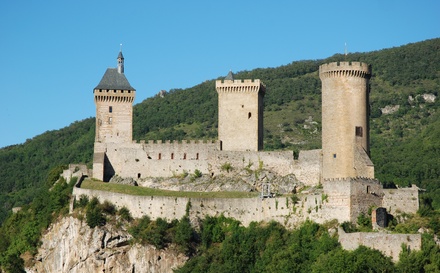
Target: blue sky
x,y
55,52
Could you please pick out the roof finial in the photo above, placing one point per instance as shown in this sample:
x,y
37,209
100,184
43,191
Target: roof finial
x,y
345,51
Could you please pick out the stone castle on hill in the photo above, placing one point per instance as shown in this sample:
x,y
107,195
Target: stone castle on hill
x,y
343,167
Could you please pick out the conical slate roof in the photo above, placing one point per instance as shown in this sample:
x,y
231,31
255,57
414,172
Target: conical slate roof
x,y
114,80
230,76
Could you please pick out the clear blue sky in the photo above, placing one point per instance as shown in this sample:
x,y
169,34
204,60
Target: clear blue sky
x,y
55,52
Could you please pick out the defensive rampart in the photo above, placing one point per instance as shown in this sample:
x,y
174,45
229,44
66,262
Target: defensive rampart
x,y
401,200
245,210
388,244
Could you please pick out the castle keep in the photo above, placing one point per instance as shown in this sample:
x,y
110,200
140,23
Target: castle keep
x,y
343,167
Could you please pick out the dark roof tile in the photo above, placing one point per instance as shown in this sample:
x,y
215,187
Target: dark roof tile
x,y
114,81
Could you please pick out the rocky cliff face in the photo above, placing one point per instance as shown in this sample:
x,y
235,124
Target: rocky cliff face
x,y
70,245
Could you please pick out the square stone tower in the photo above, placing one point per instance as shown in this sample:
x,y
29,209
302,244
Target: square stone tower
x,y
114,98
240,114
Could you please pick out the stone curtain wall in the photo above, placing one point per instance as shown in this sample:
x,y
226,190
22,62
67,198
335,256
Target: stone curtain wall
x,y
401,200
308,167
245,210
140,160
388,244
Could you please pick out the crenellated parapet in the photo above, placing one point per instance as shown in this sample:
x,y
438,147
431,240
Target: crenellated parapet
x,y
240,86
365,179
183,141
345,69
114,96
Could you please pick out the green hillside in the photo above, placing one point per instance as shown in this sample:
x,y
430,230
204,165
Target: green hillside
x,y
405,144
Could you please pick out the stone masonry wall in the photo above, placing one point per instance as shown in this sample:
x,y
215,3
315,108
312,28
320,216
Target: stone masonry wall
x,y
388,244
246,210
401,200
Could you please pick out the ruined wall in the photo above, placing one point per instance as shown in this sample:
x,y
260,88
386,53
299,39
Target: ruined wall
x,y
402,200
281,162
308,167
365,193
246,210
388,244
157,159
350,197
139,160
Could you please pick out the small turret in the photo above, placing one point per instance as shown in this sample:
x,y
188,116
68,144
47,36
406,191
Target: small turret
x,y
120,63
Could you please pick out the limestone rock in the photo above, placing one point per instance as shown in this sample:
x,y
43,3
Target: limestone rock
x,y
70,245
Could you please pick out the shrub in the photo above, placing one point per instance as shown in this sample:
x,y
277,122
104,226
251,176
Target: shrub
x,y
95,217
197,173
108,208
226,167
125,214
82,202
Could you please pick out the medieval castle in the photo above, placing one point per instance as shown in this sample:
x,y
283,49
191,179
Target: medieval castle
x,y
343,166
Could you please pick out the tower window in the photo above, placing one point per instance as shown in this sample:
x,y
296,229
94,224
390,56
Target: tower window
x,y
249,115
197,156
172,155
359,131
110,109
334,155
184,156
160,156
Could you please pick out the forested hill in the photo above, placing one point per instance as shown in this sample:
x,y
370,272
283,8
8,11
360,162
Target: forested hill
x,y
405,143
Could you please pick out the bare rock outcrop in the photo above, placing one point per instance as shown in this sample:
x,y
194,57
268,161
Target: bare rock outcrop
x,y
70,245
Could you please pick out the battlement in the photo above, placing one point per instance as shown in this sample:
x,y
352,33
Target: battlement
x,y
345,69
247,85
365,179
110,95
184,141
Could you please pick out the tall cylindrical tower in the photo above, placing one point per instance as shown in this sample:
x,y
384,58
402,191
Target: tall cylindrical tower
x,y
345,120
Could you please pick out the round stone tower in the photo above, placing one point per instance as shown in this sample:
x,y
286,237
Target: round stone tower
x,y
345,120
114,98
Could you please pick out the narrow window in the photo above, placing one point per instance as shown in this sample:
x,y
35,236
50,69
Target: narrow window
x,y
110,120
359,131
110,109
197,156
184,156
160,156
249,115
221,145
368,189
172,155
139,175
334,155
